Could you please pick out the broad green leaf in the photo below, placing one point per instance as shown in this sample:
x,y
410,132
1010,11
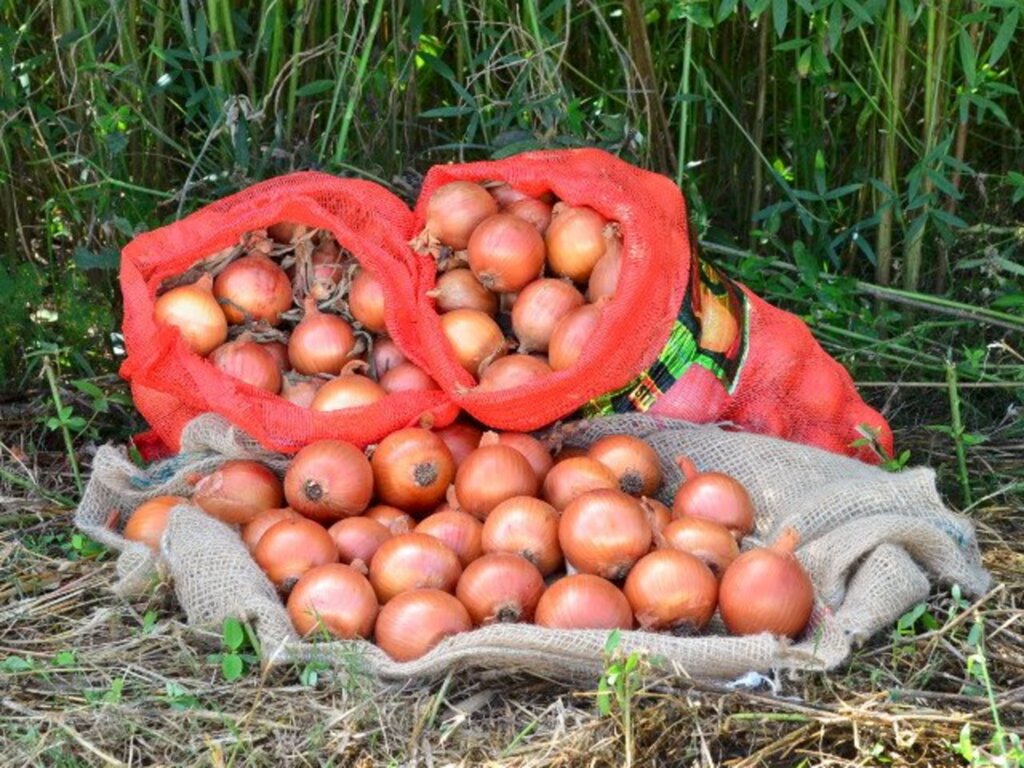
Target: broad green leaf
x,y
780,15
234,635
231,666
315,87
1004,36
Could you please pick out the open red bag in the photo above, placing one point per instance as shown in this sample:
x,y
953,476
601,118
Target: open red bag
x,y
677,339
171,385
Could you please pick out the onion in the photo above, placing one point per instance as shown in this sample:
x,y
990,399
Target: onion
x,y
349,390
328,264
358,539
366,302
658,515
414,622
539,308
527,527
412,469
532,449
717,497
500,588
575,240
459,289
511,372
672,590
571,478
767,590
194,311
335,598
474,336
149,520
633,462
279,351
291,547
491,474
459,531
534,211
605,277
505,194
583,601
300,392
328,480
392,518
604,532
455,210
413,561
505,253
238,491
249,362
286,232
385,356
571,335
253,531
253,288
712,543
567,452
461,439
320,343
407,377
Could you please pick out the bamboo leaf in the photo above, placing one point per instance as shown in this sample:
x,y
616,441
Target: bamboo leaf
x,y
780,15
725,9
968,58
1004,36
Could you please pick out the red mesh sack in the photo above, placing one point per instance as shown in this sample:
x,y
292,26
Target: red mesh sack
x,y
171,384
677,339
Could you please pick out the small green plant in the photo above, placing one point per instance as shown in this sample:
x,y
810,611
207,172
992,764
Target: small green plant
x,y
241,649
619,684
178,697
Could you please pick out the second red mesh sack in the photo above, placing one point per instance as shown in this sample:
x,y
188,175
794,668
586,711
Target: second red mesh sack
x,y
171,384
675,338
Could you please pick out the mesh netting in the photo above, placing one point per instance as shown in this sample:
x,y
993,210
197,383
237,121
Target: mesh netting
x,y
872,542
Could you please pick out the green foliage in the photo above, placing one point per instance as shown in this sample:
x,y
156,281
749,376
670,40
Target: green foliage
x,y
621,680
240,650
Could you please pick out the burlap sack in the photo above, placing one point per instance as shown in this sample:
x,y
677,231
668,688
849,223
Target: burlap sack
x,y
873,543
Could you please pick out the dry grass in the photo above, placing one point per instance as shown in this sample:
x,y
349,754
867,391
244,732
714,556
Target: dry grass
x,y
89,679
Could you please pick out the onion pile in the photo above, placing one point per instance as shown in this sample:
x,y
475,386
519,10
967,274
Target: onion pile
x,y
531,263
287,311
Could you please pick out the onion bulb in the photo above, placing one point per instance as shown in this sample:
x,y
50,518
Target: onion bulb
x,y
459,289
633,462
358,539
571,335
572,477
490,475
253,531
407,377
672,590
320,343
249,362
328,480
349,390
412,469
710,542
767,590
527,527
253,288
512,371
392,518
413,561
604,532
334,598
505,253
238,491
366,302
539,308
459,531
534,211
605,277
286,232
474,336
299,391
717,497
500,588
532,449
583,601
658,515
148,522
505,194
461,439
412,624
194,311
454,211
385,356
291,547
575,240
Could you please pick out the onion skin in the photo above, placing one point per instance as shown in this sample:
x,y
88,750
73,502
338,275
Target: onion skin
x,y
194,311
249,362
238,491
253,288
534,211
413,561
320,343
460,532
575,241
604,532
358,538
572,477
279,351
349,390
392,518
286,232
300,392
538,310
505,194
253,531
454,211
412,469
511,372
490,475
412,624
148,522
719,498
571,336
474,336
583,601
407,377
533,450
605,277
505,253
385,356
767,590
673,590
290,548
633,462
335,598
328,480
710,542
461,439
366,302
658,515
500,588
459,289
527,527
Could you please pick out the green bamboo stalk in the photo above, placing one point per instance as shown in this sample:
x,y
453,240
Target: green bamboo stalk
x,y
298,26
759,113
958,433
220,79
357,83
896,59
684,105
343,63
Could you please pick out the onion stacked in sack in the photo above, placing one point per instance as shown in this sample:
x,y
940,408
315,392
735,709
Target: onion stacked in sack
x,y
434,533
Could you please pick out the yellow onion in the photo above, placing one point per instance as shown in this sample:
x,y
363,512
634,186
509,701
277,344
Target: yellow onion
x,y
500,588
583,601
634,463
238,491
527,527
672,590
412,624
604,532
253,288
148,522
334,598
539,308
194,311
413,561
328,480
